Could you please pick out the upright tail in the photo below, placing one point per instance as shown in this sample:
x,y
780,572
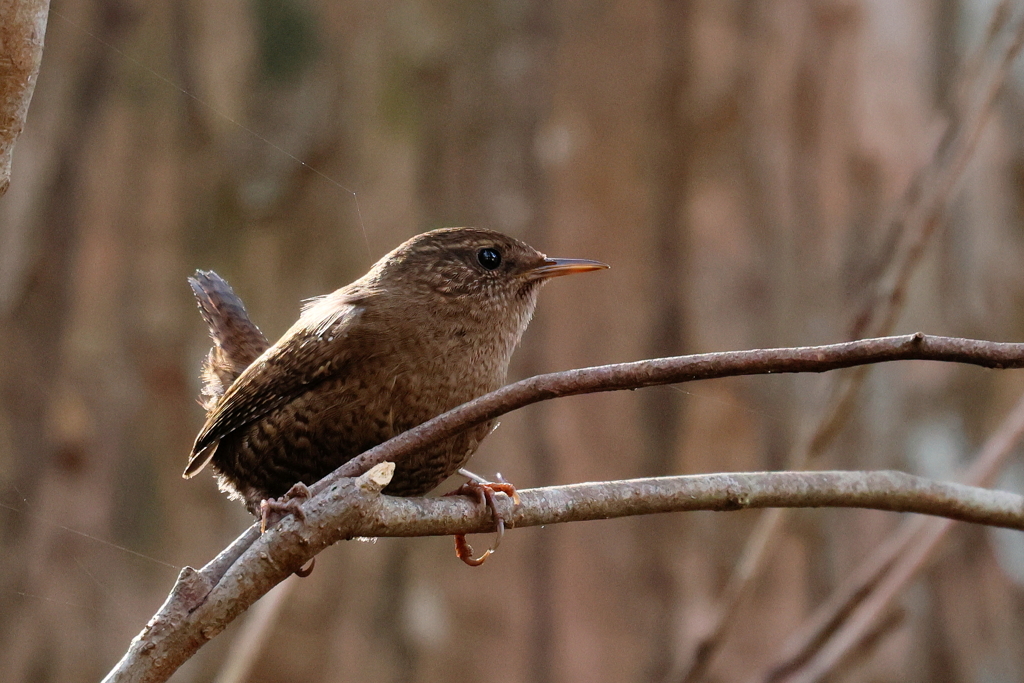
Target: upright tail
x,y
237,341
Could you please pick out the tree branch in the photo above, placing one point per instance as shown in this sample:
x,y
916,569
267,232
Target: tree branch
x,y
870,588
881,490
196,611
680,369
203,602
22,27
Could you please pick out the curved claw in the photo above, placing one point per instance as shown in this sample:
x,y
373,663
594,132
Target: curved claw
x,y
303,572
484,492
464,551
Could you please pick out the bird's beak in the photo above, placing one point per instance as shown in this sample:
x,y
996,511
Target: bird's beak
x,y
554,267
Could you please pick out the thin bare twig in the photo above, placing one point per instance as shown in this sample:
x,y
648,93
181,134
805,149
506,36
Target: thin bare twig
x,y
919,219
859,624
845,617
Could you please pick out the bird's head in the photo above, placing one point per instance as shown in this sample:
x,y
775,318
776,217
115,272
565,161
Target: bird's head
x,y
473,264
481,277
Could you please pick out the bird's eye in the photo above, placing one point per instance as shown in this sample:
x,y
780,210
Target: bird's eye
x,y
489,258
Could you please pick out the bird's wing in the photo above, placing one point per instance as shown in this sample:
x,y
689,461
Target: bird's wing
x,y
307,355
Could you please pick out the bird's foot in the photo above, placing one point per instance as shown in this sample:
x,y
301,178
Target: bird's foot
x,y
273,510
484,492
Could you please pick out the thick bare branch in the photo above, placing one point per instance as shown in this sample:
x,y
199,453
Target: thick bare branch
x,y
885,490
197,610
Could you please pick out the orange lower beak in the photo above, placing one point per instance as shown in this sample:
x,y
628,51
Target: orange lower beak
x,y
555,267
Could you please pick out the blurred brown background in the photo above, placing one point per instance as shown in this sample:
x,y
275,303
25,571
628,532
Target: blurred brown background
x,y
732,160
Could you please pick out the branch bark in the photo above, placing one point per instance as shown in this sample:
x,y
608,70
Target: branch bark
x,y
22,27
203,602
197,610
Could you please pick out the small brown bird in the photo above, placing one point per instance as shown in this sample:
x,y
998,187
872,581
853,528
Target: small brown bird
x,y
432,325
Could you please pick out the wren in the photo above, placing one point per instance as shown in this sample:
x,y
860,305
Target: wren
x,y
433,324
